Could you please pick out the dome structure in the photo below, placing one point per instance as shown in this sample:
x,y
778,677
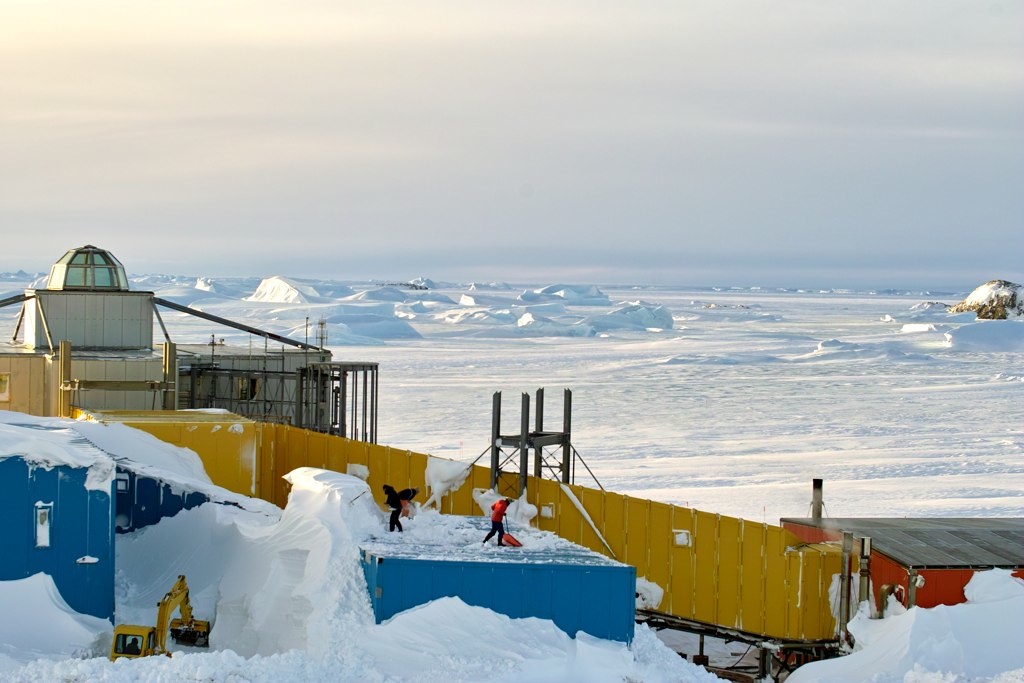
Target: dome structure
x,y
88,268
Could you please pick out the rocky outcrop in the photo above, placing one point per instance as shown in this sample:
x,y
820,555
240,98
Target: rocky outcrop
x,y
994,300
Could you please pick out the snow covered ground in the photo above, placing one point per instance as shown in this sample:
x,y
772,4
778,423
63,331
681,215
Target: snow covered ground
x,y
726,400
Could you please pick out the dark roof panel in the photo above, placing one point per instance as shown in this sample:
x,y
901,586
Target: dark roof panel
x,y
954,542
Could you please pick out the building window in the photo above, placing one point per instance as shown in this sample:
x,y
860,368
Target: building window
x,y
5,386
44,515
248,388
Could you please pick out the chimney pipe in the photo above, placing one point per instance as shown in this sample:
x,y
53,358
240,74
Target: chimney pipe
x,y
816,499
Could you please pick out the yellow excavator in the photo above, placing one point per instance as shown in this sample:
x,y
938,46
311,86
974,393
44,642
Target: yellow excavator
x,y
142,641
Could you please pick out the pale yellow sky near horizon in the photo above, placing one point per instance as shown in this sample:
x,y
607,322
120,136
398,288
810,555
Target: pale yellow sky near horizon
x,y
475,134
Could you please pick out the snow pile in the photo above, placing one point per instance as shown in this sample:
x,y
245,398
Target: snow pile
x,y
916,328
381,294
648,594
975,641
635,315
444,476
518,321
988,336
370,323
50,442
579,295
288,602
38,623
534,324
283,290
836,350
996,299
462,316
496,286
143,452
298,584
476,299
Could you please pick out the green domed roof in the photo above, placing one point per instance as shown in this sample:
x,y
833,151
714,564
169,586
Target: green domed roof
x,y
88,268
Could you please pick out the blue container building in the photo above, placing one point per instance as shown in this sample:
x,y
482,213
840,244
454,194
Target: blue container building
x,y
57,522
142,500
576,588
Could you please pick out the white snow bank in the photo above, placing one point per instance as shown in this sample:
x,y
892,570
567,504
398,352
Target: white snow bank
x,y
917,328
291,604
488,646
444,476
297,584
283,290
499,286
476,315
831,350
635,315
484,300
975,641
988,336
365,324
579,295
37,623
398,295
648,594
52,442
144,451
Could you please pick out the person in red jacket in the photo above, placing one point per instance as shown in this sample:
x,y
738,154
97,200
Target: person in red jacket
x,y
497,520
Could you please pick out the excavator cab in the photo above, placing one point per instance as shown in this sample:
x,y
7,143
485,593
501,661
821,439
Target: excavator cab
x,y
133,641
141,641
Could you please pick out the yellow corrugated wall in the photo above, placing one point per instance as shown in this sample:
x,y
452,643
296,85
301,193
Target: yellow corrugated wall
x,y
228,445
735,573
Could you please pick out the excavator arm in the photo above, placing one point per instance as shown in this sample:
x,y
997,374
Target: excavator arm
x,y
186,629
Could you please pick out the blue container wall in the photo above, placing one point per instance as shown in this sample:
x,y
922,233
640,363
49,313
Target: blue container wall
x,y
599,600
142,501
81,527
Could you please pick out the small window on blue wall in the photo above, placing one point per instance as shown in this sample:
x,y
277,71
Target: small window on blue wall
x,y
44,515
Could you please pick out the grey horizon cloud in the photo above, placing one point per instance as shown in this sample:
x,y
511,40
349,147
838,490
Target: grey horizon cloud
x,y
743,140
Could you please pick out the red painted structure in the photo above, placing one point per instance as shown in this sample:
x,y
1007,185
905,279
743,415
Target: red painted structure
x,y
942,553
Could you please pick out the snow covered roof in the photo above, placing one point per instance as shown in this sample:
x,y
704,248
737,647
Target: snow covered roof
x,y
938,543
51,442
460,542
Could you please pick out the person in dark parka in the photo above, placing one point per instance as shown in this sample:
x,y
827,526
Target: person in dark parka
x,y
397,501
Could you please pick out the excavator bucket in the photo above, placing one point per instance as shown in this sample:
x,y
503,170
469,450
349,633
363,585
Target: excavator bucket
x,y
194,632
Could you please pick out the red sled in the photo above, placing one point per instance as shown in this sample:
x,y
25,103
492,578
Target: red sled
x,y
509,539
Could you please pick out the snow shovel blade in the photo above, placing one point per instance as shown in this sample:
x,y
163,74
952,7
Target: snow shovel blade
x,y
196,633
509,539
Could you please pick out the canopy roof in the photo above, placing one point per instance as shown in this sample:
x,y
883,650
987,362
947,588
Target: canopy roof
x,y
88,268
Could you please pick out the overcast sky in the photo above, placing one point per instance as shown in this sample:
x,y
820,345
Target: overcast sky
x,y
707,142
